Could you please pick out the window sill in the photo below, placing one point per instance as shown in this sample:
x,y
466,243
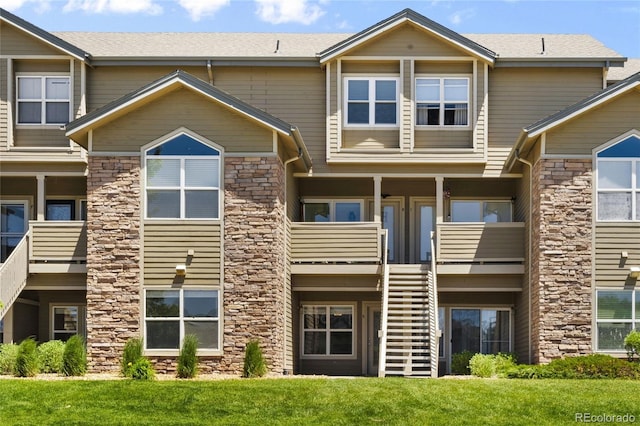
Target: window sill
x,y
370,127
328,357
25,126
176,352
421,128
168,221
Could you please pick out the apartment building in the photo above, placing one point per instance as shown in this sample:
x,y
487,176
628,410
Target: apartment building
x,y
362,204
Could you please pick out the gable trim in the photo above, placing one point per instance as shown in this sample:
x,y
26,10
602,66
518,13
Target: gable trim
x,y
614,141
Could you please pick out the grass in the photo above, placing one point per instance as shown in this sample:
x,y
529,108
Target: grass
x,y
314,401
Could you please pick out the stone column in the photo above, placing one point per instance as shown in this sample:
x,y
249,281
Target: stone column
x,y
113,258
254,256
561,259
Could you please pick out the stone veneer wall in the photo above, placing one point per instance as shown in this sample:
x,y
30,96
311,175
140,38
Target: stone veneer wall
x,y
562,258
113,259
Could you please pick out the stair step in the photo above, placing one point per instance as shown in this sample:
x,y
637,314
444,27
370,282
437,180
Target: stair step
x,y
408,358
403,365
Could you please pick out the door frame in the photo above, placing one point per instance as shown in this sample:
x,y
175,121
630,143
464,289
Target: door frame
x,y
413,224
400,240
368,332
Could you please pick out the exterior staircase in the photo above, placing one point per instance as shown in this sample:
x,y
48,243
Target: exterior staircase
x,y
409,343
13,275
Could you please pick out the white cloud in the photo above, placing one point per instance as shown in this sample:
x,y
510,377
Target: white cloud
x,y
199,8
456,18
115,6
40,6
286,11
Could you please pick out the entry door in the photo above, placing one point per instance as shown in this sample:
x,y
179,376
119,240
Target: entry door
x,y
392,221
423,223
14,222
373,339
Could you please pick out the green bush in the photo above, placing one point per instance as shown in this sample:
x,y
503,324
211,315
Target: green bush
x,y
130,355
254,364
632,344
27,359
460,362
74,359
8,355
142,369
491,365
50,356
188,359
595,366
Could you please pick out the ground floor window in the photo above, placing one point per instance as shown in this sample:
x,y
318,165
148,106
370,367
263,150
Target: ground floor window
x,y
327,330
617,313
486,331
66,321
172,314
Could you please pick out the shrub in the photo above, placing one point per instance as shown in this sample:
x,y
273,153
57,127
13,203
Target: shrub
x,y
142,369
254,364
27,359
460,362
50,356
74,359
632,344
130,355
188,360
595,366
491,365
8,354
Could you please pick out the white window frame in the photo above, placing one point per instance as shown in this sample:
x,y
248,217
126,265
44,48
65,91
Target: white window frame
x,y
332,207
43,99
371,102
181,320
482,201
442,101
634,190
27,214
328,306
478,308
634,320
80,326
183,188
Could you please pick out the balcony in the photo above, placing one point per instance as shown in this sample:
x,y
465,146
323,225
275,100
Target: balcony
x,y
480,248
326,248
58,247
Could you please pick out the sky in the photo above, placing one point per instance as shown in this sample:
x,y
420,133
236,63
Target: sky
x,y
616,23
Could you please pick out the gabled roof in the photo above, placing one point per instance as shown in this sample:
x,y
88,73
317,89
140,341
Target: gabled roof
x,y
408,15
43,35
184,79
536,129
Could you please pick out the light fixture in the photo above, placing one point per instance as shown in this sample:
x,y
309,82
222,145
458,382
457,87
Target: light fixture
x,y
181,270
634,272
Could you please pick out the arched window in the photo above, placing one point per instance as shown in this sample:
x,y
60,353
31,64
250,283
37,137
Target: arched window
x,y
182,177
618,181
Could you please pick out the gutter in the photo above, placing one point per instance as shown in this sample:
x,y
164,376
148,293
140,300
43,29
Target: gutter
x,y
302,148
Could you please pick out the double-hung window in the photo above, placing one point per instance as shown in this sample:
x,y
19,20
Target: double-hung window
x,y
371,101
333,210
442,101
617,313
182,180
618,181
172,314
43,99
328,330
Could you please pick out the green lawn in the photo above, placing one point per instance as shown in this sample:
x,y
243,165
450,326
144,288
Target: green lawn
x,y
314,401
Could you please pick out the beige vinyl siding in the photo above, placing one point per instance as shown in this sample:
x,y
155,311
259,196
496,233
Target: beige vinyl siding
x,y
447,283
17,187
341,242
442,68
475,299
519,97
333,138
183,107
474,242
370,139
56,280
596,127
167,244
368,67
106,84
17,42
427,138
58,240
60,186
73,165
611,240
336,283
41,66
406,40
4,104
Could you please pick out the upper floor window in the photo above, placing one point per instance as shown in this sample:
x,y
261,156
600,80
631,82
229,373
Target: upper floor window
x,y
43,99
442,101
333,210
371,101
182,180
487,211
618,181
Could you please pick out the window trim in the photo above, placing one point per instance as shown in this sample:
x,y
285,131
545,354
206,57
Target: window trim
x,y
442,101
482,200
181,319
480,308
634,320
43,99
634,190
371,102
27,214
332,207
354,328
81,326
220,188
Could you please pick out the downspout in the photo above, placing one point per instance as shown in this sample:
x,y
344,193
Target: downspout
x,y
286,267
210,71
529,250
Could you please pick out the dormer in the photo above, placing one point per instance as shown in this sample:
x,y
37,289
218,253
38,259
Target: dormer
x,y
407,89
42,87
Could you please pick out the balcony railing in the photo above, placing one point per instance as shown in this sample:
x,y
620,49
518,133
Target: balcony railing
x,y
57,243
336,242
13,274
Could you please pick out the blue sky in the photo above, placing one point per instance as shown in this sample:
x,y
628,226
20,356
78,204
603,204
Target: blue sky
x,y
616,23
